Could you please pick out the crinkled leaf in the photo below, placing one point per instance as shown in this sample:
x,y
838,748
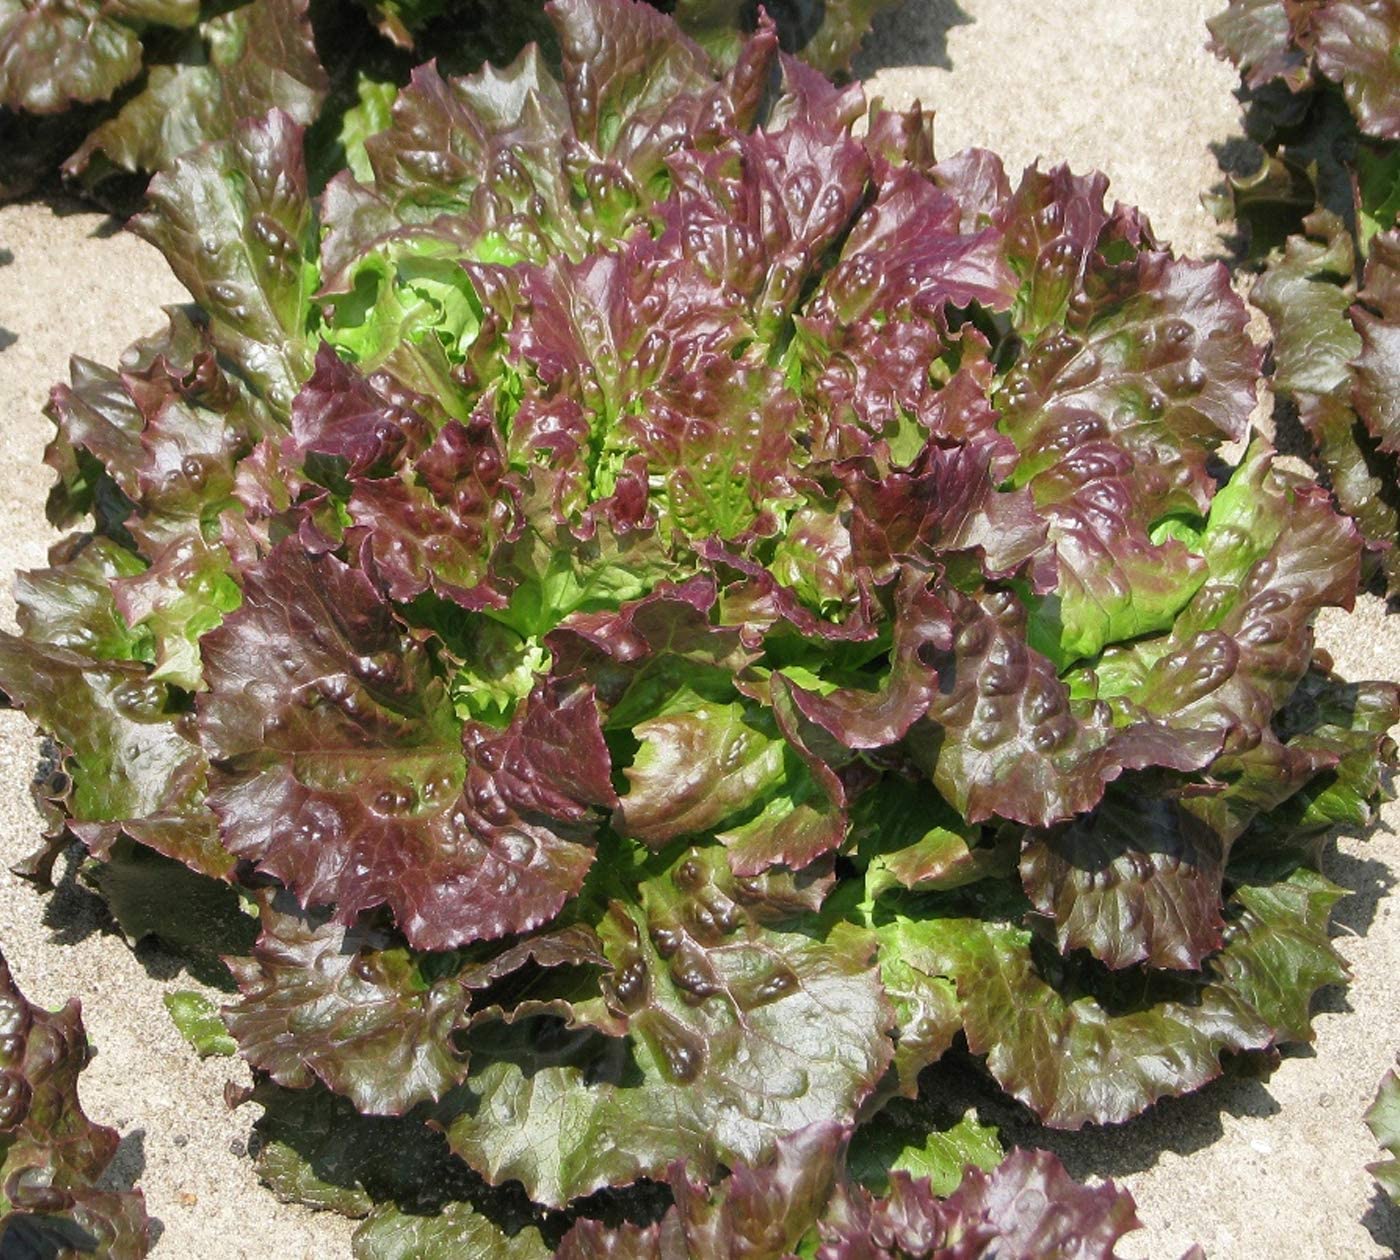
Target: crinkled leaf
x,y
613,557
1259,37
128,759
649,652
634,81
55,54
696,769
70,606
1359,475
806,817
1306,305
437,527
179,599
1036,1210
364,425
802,1201
1152,352
97,449
1004,738
1277,553
1138,880
342,768
449,142
201,420
1076,1049
769,477
347,1006
1333,361
1356,45
739,1033
905,1137
927,1020
372,1020
234,221
458,1230
764,233
946,502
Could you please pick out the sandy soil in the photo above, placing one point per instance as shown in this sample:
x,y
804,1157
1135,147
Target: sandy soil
x,y
1246,1168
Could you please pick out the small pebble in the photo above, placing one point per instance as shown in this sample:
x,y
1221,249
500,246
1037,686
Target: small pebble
x,y
180,1140
188,1198
237,1147
1261,1147
1324,1100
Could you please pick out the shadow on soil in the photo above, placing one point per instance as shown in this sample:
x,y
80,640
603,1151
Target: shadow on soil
x,y
1366,880
127,1164
1237,158
63,204
1382,1221
73,912
7,338
1179,1125
912,34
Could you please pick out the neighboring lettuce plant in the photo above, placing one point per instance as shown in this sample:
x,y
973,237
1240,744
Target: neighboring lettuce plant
x,y
125,87
1025,1209
1320,213
673,613
1383,1119
121,89
51,1155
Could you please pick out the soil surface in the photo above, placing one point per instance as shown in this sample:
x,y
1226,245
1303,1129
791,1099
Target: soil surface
x,y
1247,1168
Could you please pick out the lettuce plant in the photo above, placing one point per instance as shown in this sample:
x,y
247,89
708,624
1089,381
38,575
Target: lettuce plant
x,y
1383,1118
1321,211
120,89
1026,1209
51,1154
673,608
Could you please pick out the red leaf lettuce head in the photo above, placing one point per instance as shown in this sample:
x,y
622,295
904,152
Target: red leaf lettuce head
x,y
672,611
1320,217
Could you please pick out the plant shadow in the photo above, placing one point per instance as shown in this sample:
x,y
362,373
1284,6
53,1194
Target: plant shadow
x,y
1290,438
1237,158
7,338
63,204
911,34
73,912
1367,880
128,1164
1382,1221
